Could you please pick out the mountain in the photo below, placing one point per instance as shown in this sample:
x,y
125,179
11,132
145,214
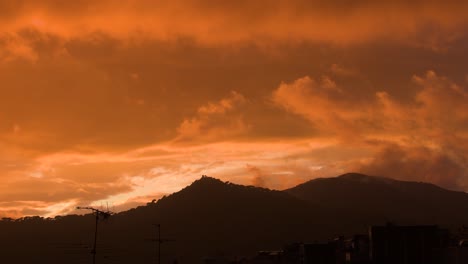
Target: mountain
x,y
215,218
207,218
371,199
219,218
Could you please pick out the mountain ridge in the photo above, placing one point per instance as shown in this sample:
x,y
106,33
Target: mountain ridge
x,y
214,218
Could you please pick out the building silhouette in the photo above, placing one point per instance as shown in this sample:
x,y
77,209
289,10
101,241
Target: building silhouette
x,y
406,244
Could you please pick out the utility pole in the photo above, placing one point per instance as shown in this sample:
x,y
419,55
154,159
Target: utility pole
x,y
97,214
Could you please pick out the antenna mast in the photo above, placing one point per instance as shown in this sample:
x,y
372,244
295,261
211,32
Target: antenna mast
x,y
159,241
97,213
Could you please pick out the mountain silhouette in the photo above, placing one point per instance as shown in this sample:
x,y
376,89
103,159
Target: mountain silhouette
x,y
215,218
373,199
229,219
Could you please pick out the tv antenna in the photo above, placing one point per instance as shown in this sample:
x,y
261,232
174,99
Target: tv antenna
x,y
97,213
159,241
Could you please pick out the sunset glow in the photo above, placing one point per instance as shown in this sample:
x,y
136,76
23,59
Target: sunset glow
x,y
122,102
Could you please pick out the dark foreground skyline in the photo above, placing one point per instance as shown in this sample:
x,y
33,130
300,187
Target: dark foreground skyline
x,y
126,101
221,220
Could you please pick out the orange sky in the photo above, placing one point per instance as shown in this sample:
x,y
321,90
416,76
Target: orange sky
x,y
125,101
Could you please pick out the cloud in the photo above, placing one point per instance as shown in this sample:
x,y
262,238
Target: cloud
x,y
59,190
425,137
339,70
258,178
386,133
215,121
438,107
16,48
206,22
418,163
442,103
224,105
331,109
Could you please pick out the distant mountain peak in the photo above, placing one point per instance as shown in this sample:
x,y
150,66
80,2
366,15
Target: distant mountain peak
x,y
207,183
207,180
355,176
214,183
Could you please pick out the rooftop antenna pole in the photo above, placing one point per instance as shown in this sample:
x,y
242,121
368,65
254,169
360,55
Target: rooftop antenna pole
x,y
158,240
97,213
95,239
159,244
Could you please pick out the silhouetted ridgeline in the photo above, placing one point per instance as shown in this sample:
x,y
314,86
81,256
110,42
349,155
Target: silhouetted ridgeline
x,y
373,200
211,218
